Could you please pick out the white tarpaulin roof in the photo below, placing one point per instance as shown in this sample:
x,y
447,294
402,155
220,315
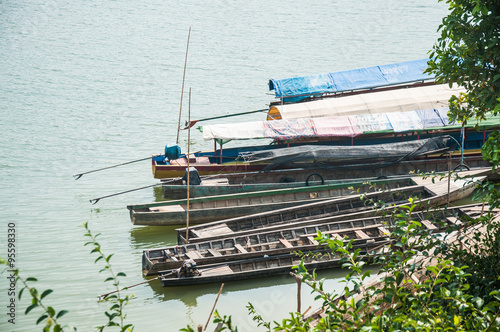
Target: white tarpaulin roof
x,y
242,130
347,126
398,100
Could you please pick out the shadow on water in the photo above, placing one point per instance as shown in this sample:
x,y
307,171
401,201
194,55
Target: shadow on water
x,y
189,294
147,237
158,194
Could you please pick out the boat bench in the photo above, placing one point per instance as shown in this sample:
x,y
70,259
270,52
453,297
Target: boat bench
x,y
193,255
428,224
215,182
286,243
240,248
192,161
214,252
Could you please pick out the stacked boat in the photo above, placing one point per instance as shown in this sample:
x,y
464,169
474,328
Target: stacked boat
x,y
347,149
265,243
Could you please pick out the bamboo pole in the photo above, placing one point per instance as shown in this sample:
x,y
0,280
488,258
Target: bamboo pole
x,y
299,286
182,89
140,283
449,178
188,173
213,308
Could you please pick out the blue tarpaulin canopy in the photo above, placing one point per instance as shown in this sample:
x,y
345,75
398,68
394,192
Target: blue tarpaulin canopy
x,y
302,87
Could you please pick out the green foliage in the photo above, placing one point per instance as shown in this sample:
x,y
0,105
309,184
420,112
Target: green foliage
x,y
49,316
116,300
227,325
468,53
458,292
445,298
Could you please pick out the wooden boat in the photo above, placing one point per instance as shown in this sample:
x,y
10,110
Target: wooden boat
x,y
226,184
430,192
390,103
250,269
229,183
230,160
300,237
205,209
320,259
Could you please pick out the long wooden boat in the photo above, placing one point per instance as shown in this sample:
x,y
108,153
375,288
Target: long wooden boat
x,y
284,263
299,237
231,160
226,184
429,191
250,269
205,209
229,183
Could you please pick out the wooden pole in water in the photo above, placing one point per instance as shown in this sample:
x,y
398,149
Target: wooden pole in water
x,y
213,308
188,174
182,90
299,286
449,178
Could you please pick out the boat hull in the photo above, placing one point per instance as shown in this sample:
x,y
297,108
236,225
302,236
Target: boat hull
x,y
429,191
206,209
297,237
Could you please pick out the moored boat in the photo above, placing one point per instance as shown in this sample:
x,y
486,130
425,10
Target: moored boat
x,y
299,236
248,269
232,160
229,183
427,191
270,265
205,209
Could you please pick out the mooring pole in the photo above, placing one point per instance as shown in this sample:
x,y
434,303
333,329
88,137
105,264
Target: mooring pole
x,y
188,173
182,89
213,308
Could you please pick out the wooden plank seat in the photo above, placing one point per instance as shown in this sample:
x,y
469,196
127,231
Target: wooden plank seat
x,y
428,224
362,235
215,182
240,248
454,220
214,252
167,208
193,254
286,243
312,240
213,231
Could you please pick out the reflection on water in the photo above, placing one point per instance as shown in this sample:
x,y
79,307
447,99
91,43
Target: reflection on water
x,y
158,194
147,237
189,294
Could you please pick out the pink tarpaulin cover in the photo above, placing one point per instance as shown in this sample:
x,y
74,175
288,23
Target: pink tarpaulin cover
x,y
335,126
289,129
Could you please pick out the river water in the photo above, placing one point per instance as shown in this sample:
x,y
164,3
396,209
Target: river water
x,y
88,84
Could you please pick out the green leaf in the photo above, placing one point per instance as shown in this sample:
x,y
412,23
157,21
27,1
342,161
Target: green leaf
x,y
31,307
45,293
479,302
51,311
57,328
61,313
41,319
31,279
21,292
121,274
